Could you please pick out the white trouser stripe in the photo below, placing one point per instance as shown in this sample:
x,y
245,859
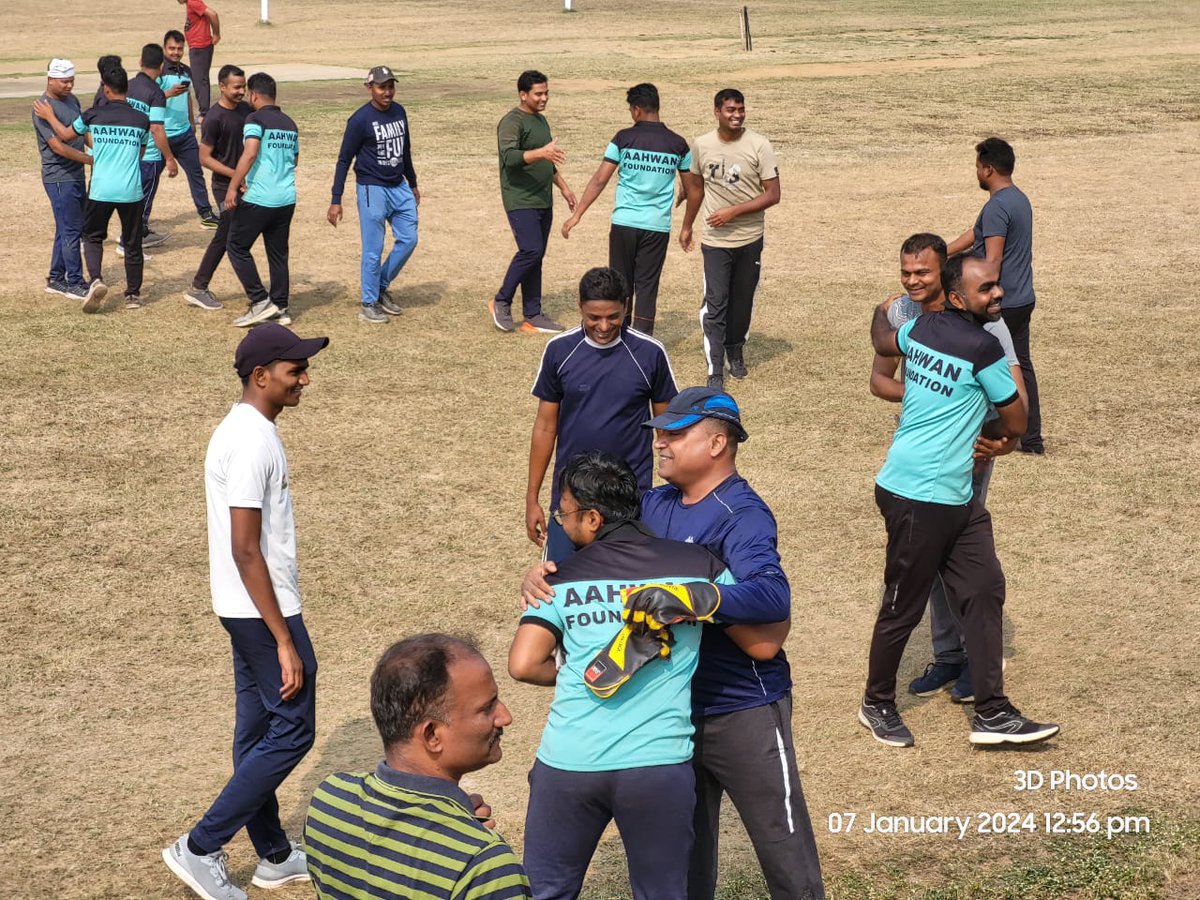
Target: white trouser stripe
x,y
787,782
703,333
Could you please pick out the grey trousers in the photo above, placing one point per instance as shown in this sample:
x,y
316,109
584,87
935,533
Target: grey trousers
x,y
749,755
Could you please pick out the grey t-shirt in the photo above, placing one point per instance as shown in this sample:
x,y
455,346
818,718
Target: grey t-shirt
x,y
1007,214
57,169
907,308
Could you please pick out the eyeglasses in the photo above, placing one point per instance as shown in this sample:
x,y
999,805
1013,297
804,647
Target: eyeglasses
x,y
558,515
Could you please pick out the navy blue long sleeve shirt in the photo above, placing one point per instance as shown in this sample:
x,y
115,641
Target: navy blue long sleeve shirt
x,y
736,525
379,145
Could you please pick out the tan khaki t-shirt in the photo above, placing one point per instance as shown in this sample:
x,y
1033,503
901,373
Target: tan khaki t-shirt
x,y
733,173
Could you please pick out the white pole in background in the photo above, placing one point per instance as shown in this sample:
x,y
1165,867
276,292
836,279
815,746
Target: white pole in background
x,y
566,5
265,13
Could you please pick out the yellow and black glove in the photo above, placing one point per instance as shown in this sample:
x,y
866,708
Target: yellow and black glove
x,y
627,652
656,606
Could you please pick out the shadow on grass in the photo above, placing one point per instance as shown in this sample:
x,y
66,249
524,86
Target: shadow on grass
x,y
353,747
427,293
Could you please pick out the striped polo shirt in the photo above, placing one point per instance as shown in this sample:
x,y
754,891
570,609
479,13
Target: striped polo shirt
x,y
395,834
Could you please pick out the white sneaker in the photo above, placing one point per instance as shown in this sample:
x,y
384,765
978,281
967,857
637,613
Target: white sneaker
x,y
271,875
206,875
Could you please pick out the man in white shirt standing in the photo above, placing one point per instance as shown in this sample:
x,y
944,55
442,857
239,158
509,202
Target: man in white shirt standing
x,y
256,595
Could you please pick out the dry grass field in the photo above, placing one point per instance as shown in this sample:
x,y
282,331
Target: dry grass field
x,y
408,453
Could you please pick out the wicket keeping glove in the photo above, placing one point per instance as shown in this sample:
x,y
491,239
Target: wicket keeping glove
x,y
655,606
627,652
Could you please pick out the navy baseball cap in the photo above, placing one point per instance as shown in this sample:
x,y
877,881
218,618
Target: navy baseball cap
x,y
270,342
696,403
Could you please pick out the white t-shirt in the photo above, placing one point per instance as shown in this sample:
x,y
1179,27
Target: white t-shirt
x,y
245,467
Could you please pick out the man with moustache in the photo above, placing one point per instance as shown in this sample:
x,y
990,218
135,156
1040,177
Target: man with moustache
x,y
935,525
378,141
220,150
64,180
408,829
180,124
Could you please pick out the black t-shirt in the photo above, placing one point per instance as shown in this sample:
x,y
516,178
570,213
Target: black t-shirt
x,y
222,131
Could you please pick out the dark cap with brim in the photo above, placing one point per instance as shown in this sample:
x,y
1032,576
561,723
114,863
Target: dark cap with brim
x,y
272,342
380,75
696,403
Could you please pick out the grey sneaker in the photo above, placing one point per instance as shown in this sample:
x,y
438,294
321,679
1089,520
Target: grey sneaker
x,y
258,312
885,723
737,367
370,312
388,305
94,296
502,315
57,287
153,238
271,875
202,299
283,318
206,875
716,382
75,291
134,301
541,323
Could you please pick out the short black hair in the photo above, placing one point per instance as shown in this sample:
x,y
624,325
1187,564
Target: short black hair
x,y
603,283
733,436
174,35
227,70
922,241
411,680
601,481
261,83
726,94
152,56
113,74
997,153
527,79
643,96
952,272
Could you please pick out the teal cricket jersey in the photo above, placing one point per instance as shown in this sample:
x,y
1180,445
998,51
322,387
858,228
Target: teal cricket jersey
x,y
177,121
272,179
119,134
648,721
147,97
952,368
648,157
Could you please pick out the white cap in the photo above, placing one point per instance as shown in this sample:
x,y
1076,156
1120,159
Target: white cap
x,y
60,68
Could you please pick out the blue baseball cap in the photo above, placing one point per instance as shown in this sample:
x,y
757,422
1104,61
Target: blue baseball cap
x,y
695,403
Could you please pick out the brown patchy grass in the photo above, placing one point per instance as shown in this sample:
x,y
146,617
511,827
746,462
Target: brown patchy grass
x,y
408,454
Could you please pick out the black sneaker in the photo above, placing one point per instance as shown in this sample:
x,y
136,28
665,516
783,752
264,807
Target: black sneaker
x,y
962,692
388,304
208,220
1009,727
937,677
502,315
885,723
1035,449
370,312
134,301
737,368
716,382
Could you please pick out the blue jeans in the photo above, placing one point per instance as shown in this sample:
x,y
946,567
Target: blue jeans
x,y
187,153
568,812
151,172
270,737
377,207
66,201
531,230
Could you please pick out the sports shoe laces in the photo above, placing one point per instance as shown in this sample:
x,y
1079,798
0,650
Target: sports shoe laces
x,y
217,865
889,715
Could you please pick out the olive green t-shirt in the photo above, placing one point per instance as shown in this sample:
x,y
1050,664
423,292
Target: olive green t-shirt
x,y
524,186
733,172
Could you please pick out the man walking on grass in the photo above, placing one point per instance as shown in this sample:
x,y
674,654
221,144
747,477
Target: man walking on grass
x,y
266,172
220,150
529,161
378,141
256,595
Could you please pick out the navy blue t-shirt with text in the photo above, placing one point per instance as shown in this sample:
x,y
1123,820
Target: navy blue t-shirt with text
x,y
604,395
